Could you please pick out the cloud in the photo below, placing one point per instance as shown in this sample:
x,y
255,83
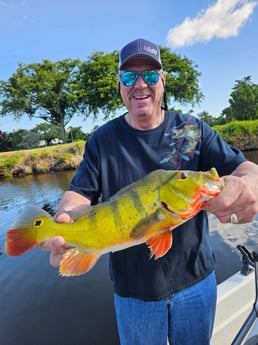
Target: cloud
x,y
221,20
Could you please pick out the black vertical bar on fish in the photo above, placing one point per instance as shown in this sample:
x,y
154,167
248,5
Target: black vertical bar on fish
x,y
116,213
135,195
115,205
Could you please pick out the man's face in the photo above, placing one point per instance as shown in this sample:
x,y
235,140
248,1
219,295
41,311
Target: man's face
x,y
142,99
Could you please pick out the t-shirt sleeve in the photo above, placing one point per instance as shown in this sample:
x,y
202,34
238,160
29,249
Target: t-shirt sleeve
x,y
86,181
215,152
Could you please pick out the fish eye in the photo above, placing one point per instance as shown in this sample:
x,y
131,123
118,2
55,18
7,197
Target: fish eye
x,y
182,175
37,222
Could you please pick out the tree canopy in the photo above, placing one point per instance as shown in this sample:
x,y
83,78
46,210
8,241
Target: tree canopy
x,y
47,90
47,132
182,84
5,144
56,91
99,78
24,139
243,101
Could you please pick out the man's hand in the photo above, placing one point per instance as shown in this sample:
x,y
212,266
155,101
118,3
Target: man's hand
x,y
56,245
238,201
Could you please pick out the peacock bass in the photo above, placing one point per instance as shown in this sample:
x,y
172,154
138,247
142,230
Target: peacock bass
x,y
143,212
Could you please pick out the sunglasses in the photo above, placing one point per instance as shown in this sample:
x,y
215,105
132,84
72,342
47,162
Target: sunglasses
x,y
129,78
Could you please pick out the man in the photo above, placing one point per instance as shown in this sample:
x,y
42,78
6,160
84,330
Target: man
x,y
173,297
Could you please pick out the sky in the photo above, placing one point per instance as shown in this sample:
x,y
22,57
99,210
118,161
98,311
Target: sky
x,y
218,36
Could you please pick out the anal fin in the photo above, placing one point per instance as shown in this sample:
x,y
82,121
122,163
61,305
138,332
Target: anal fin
x,y
160,244
76,262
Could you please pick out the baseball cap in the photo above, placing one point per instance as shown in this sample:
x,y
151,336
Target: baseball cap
x,y
140,47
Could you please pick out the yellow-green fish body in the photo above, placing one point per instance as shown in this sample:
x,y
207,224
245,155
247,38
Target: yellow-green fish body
x,y
144,212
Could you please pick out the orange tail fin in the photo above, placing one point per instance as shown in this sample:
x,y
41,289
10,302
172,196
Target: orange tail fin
x,y
23,235
19,241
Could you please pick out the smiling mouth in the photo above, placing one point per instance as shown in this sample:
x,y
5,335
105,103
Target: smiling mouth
x,y
141,97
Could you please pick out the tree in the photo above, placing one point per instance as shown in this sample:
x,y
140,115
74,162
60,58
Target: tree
x,y
56,91
76,133
47,131
182,83
24,139
208,118
47,90
99,79
5,144
243,101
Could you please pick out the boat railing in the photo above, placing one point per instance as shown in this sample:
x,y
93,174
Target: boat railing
x,y
249,263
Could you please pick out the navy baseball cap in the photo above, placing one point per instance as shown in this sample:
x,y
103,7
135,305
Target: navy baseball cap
x,y
140,47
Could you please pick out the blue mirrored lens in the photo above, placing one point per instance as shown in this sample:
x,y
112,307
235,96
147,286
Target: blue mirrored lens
x,y
128,78
150,77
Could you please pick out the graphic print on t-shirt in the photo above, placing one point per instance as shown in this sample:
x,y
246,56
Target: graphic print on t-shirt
x,y
184,140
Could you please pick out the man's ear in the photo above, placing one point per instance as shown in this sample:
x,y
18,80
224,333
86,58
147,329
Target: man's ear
x,y
164,76
118,85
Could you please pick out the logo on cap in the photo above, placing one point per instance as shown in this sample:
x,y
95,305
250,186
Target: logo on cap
x,y
150,50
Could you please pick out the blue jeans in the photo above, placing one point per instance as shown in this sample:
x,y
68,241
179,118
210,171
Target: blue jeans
x,y
186,318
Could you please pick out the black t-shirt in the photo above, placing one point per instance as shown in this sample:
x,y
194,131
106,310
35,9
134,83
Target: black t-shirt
x,y
117,155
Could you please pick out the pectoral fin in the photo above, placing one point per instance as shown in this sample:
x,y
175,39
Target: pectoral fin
x,y
160,244
76,262
144,226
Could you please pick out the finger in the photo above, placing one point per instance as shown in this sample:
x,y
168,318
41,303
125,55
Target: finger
x,y
52,243
246,215
228,197
56,258
62,217
227,218
57,254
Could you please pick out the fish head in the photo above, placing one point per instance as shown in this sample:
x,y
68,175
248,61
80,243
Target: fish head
x,y
185,192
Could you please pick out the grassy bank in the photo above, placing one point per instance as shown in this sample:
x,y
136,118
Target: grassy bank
x,y
240,134
41,160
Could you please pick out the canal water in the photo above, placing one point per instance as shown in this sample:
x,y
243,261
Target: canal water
x,y
37,306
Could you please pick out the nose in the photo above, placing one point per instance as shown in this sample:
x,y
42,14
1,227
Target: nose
x,y
140,82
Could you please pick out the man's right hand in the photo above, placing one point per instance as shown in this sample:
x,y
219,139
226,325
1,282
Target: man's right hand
x,y
56,245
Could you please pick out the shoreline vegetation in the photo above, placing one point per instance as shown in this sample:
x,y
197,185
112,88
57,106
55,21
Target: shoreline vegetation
x,y
42,160
239,134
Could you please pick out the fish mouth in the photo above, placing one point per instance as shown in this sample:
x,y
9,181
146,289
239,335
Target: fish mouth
x,y
180,214
211,189
165,206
